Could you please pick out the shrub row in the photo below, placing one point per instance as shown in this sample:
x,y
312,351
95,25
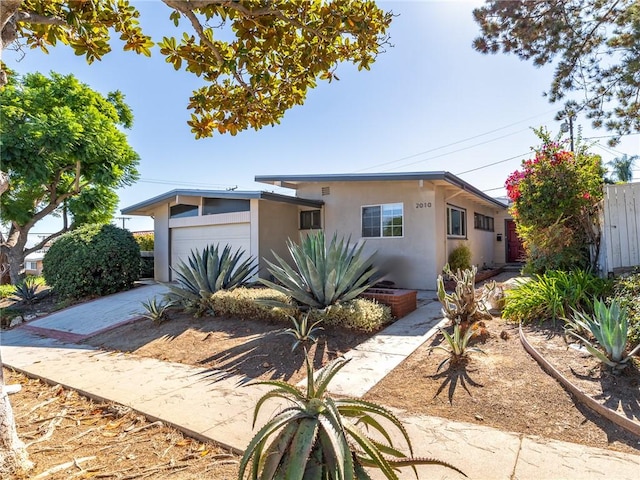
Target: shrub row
x,y
249,303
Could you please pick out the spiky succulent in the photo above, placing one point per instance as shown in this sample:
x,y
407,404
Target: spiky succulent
x,y
303,331
324,274
457,345
208,271
155,310
461,305
319,437
610,327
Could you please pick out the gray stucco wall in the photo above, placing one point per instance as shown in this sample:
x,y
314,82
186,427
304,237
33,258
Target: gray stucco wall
x,y
276,223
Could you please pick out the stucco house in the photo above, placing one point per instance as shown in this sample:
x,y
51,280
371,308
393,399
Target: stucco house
x,y
412,220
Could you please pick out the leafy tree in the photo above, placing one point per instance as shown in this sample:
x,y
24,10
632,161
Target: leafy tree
x,y
594,45
279,48
622,168
555,205
64,153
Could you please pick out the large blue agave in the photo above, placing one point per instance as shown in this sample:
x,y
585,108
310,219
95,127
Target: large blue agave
x,y
324,274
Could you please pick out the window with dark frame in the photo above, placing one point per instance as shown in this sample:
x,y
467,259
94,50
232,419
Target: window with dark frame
x,y
483,222
456,221
386,220
310,219
183,211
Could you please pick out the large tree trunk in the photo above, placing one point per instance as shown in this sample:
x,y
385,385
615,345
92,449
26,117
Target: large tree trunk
x,y
15,257
13,453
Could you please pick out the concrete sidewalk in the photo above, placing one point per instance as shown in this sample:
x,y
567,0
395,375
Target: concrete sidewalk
x,y
221,409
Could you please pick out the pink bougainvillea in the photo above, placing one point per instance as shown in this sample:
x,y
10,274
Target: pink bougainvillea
x,y
556,188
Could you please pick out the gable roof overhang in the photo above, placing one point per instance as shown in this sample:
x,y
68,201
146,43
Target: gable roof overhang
x,y
148,206
447,178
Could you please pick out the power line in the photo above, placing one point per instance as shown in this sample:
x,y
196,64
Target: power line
x,y
458,142
492,164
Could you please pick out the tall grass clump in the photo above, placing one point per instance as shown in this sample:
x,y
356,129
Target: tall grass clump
x,y
554,295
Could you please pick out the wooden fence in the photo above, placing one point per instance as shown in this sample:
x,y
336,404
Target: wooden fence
x,y
620,242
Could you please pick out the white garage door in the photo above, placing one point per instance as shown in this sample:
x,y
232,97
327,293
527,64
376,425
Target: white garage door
x,y
185,239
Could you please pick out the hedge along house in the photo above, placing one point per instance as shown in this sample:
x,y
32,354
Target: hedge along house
x,y
186,220
412,220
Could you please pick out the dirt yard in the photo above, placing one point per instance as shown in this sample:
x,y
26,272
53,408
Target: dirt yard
x,y
506,389
69,436
253,348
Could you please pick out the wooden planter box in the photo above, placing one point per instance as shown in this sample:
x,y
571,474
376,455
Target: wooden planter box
x,y
402,302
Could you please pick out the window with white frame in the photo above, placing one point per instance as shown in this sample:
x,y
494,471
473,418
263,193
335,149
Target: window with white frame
x,y
456,221
31,266
386,220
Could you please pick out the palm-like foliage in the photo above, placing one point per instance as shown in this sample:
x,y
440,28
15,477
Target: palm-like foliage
x,y
457,345
622,168
326,274
208,271
610,328
320,438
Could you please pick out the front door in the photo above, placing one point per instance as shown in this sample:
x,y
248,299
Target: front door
x,y
515,249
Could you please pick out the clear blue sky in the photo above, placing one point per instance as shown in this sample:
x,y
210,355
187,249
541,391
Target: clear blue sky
x,y
429,103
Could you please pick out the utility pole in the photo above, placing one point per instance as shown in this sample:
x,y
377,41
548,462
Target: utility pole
x,y
568,126
124,219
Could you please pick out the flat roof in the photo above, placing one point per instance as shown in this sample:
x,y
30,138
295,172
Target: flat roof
x,y
292,181
139,208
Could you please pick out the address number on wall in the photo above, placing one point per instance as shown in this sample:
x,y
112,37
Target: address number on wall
x,y
423,205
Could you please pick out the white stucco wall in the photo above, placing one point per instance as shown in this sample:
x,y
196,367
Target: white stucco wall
x,y
482,243
161,242
415,260
408,261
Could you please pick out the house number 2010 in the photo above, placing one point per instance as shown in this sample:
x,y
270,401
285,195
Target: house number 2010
x,y
423,205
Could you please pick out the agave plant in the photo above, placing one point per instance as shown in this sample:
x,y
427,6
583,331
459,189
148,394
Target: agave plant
x,y
303,331
610,327
155,310
319,437
462,306
208,271
457,345
326,274
27,290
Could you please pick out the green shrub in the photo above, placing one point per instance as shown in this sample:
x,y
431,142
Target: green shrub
x,y
145,241
92,260
247,303
627,290
7,290
357,314
146,267
460,258
554,295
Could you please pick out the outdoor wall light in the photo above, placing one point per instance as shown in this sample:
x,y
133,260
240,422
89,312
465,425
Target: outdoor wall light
x,y
499,237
